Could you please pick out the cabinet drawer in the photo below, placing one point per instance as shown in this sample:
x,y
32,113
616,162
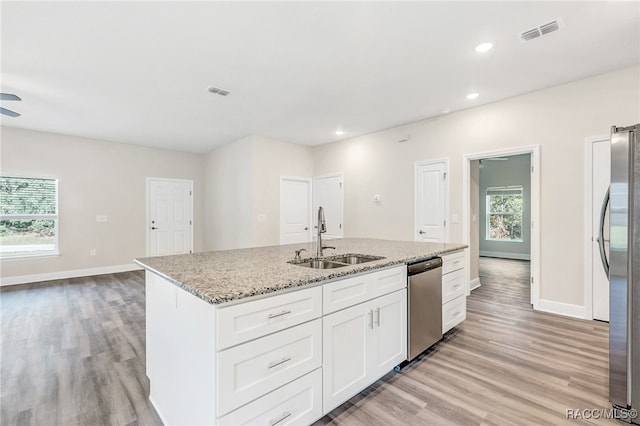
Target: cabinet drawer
x,y
246,321
453,313
452,285
297,403
389,280
452,262
248,371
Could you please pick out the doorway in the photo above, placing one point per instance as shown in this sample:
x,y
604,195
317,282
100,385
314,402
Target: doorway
x,y
169,216
597,181
431,201
328,192
501,222
295,210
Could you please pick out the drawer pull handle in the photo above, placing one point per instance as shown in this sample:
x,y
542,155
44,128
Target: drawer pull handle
x,y
277,363
279,419
456,286
280,314
456,314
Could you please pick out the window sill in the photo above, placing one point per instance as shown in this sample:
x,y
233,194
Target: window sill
x,y
503,241
29,256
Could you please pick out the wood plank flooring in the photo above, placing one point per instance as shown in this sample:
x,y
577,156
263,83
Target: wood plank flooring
x,y
505,365
73,353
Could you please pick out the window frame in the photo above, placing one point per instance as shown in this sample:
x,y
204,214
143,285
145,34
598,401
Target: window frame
x,y
55,217
488,213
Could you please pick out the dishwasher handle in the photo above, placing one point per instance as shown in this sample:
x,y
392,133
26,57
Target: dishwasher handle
x,y
423,266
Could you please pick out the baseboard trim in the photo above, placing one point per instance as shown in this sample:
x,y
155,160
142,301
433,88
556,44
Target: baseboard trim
x,y
474,283
62,275
505,255
566,309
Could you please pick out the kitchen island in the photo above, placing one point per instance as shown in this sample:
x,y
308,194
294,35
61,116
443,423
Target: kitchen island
x,y
245,337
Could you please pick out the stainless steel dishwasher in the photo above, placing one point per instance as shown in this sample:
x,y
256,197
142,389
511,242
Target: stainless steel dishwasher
x,y
425,305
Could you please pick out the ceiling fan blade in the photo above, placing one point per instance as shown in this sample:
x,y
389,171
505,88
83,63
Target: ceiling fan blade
x,y
9,112
9,97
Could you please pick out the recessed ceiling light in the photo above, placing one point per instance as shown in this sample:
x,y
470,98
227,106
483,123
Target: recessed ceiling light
x,y
339,132
473,95
484,47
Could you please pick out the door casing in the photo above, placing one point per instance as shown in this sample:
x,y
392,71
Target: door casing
x,y
588,218
309,202
148,208
445,163
534,150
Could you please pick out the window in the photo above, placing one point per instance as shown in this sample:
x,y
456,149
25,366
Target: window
x,y
504,214
28,217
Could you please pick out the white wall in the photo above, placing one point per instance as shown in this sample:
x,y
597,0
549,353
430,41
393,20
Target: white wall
x,y
95,177
272,159
229,196
558,119
243,181
516,171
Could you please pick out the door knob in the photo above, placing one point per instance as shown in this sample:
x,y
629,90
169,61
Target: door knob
x,y
421,232
306,228
153,227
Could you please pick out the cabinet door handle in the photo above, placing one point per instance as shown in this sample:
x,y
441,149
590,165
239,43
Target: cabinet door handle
x,y
280,314
456,286
456,314
279,419
371,318
378,317
277,363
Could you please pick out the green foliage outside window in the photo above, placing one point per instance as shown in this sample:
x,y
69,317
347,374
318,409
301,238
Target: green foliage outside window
x,y
28,215
504,212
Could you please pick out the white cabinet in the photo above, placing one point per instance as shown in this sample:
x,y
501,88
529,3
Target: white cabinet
x,y
246,321
350,291
361,344
253,369
276,359
454,299
297,403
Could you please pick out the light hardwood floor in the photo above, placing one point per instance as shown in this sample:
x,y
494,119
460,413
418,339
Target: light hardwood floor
x,y
73,353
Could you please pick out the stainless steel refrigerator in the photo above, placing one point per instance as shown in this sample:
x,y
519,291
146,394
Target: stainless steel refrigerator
x,y
623,267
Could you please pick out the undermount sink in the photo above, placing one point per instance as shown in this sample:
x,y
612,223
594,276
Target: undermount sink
x,y
354,259
335,261
320,264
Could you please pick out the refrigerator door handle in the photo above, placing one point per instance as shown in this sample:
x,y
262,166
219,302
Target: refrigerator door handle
x,y
601,241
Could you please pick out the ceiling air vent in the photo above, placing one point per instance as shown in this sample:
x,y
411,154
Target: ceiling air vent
x,y
544,29
218,91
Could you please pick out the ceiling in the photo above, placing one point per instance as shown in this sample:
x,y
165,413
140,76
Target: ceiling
x,y
138,72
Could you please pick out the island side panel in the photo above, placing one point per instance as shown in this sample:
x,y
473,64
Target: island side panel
x,y
180,352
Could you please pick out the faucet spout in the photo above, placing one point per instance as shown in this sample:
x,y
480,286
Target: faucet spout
x,y
322,228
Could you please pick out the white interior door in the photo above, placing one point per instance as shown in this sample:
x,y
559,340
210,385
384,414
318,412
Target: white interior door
x,y
431,200
295,210
601,178
170,218
328,193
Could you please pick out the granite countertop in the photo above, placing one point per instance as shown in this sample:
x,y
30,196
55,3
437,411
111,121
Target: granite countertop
x,y
226,276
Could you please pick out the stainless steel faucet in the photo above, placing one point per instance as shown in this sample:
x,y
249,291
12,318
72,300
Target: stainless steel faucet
x,y
322,228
